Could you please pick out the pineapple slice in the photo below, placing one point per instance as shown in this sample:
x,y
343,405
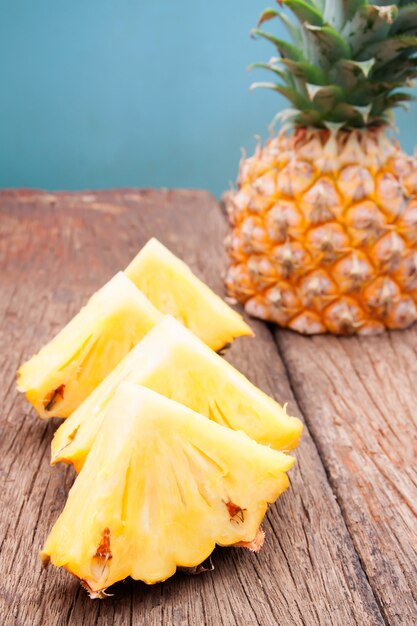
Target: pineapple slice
x,y
174,362
68,368
161,487
172,287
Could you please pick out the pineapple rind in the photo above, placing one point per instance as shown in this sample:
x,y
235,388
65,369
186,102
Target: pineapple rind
x,y
172,287
157,484
87,348
324,233
175,363
324,220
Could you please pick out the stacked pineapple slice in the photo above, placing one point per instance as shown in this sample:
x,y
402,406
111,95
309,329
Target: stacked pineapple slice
x,y
174,362
176,450
160,488
65,371
172,287
69,367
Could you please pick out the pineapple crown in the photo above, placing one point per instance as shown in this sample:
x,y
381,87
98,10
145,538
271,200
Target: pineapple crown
x,y
348,63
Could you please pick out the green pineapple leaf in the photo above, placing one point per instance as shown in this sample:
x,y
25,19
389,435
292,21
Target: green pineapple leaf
x,y
294,31
338,12
271,68
348,115
399,97
385,51
306,71
370,24
406,21
403,3
304,12
349,74
329,44
285,49
364,66
350,61
397,70
325,97
267,15
382,105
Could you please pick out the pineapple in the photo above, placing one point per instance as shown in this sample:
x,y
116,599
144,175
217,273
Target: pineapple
x,y
171,286
172,361
161,487
324,220
68,368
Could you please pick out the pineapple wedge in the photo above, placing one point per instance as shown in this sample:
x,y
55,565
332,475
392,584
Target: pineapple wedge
x,y
174,362
161,487
68,368
172,287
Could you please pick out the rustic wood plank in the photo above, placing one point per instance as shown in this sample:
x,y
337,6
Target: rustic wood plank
x,y
359,398
56,249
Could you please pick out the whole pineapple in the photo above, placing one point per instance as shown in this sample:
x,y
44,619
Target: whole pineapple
x,y
324,221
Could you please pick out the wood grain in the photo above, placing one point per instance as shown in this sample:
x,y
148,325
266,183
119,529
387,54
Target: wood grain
x,y
55,250
359,398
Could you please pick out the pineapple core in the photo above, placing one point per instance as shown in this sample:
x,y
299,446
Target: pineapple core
x,y
160,488
172,287
175,363
68,368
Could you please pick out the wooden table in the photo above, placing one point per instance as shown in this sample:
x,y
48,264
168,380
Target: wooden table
x,y
341,543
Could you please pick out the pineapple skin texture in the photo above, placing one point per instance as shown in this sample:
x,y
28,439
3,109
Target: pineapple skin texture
x,y
155,493
324,233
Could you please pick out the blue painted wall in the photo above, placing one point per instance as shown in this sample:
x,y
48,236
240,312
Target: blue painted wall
x,y
105,93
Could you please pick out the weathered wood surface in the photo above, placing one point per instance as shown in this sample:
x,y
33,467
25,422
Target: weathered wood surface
x,y
359,399
340,543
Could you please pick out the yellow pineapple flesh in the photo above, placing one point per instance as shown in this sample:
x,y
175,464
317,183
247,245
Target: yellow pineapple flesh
x,y
74,362
174,362
171,286
161,487
324,232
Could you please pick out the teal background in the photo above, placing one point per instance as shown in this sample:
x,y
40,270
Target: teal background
x,y
110,93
